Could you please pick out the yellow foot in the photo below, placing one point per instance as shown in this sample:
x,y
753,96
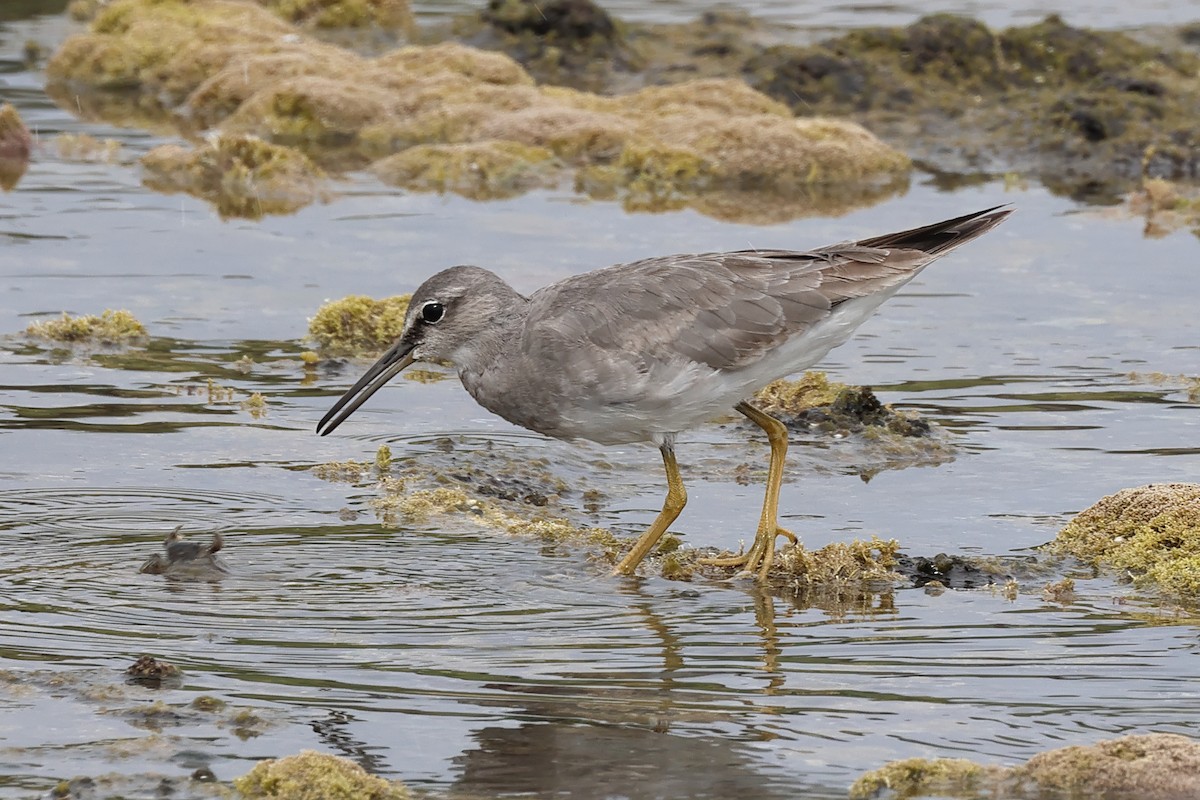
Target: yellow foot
x,y
760,556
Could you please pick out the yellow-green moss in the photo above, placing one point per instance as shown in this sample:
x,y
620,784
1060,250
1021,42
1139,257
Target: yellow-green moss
x,y
242,176
941,777
111,326
813,389
256,404
383,459
358,325
310,775
854,563
1150,534
478,170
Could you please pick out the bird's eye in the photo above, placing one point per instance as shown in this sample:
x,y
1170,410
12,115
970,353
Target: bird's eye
x,y
432,312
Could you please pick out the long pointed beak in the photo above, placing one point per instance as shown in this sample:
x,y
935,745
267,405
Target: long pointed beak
x,y
387,367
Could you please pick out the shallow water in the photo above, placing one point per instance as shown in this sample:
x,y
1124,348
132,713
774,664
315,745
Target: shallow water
x,y
486,664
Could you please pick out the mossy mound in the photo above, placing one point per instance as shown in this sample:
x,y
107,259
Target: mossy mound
x,y
1071,104
242,176
111,327
310,775
479,170
1150,533
358,325
1155,766
924,777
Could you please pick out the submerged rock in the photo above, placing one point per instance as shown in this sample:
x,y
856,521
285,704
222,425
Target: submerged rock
x,y
315,776
184,559
1149,534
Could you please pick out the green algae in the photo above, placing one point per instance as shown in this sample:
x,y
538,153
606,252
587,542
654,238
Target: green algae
x,y
358,325
1149,535
242,176
478,170
310,775
111,327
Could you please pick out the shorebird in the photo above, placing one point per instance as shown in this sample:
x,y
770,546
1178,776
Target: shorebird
x,y
640,352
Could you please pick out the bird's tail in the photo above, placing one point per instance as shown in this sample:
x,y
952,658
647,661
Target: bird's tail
x,y
942,237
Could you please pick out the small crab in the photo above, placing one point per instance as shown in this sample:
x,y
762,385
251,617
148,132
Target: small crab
x,y
187,559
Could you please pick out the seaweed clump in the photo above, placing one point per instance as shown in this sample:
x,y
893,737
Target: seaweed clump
x,y
111,327
1149,534
242,176
358,325
310,775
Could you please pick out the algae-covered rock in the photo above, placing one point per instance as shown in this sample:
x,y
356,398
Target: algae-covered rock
x,y
1167,206
1072,104
108,328
152,45
310,775
323,116
479,171
1155,766
358,325
242,176
1151,534
83,147
480,126
16,144
924,777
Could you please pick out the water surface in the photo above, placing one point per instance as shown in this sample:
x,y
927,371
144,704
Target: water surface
x,y
462,659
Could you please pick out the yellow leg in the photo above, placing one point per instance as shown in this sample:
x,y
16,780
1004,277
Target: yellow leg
x,y
672,505
762,552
